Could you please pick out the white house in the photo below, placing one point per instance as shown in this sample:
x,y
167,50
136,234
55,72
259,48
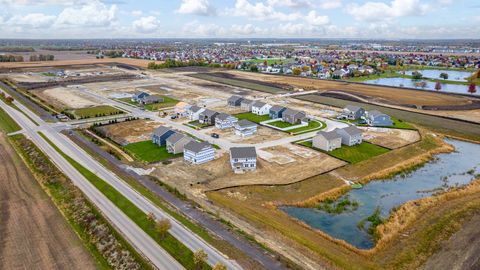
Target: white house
x,y
194,112
243,158
351,135
223,121
244,128
327,141
198,152
261,108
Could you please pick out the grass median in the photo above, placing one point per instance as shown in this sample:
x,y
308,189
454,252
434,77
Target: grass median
x,y
174,247
7,123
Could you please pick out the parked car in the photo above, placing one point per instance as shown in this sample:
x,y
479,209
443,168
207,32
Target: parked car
x,y
215,135
173,117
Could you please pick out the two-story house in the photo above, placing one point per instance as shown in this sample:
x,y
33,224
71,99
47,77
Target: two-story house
x,y
244,128
223,121
198,152
243,159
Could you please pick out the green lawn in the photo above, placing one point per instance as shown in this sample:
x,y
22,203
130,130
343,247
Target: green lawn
x,y
149,152
167,102
312,126
127,100
397,123
197,124
7,124
97,111
252,117
353,154
174,247
280,124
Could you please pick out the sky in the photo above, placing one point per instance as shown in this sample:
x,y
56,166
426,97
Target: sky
x,y
384,19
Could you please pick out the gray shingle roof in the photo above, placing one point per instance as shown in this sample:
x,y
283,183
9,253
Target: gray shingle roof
x,y
352,108
197,147
234,98
246,101
223,116
292,112
208,113
352,130
161,130
375,113
277,108
329,135
195,108
245,123
259,104
243,152
174,138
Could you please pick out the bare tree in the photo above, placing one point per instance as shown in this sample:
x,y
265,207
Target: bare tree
x,y
162,226
199,258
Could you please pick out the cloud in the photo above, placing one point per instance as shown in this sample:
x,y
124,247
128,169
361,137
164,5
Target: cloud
x,y
316,20
291,3
146,24
33,20
330,4
260,11
245,30
93,14
196,7
378,11
137,13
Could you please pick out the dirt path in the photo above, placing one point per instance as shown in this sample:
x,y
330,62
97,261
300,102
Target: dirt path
x,y
460,251
33,233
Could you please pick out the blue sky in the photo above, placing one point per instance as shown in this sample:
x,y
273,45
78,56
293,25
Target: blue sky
x,y
390,19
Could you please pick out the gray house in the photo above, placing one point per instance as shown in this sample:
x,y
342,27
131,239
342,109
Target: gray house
x,y
246,104
378,119
292,116
160,135
198,152
351,135
137,96
234,101
351,112
276,111
194,112
243,158
207,117
327,141
245,128
176,143
152,99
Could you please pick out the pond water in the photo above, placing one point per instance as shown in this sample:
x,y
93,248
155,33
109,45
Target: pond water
x,y
446,170
453,75
409,83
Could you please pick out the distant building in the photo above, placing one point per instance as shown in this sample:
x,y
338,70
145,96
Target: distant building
x,y
223,121
378,119
151,99
234,101
327,141
176,142
351,135
198,152
243,158
245,128
292,116
246,104
194,112
138,96
351,112
276,111
207,117
260,108
160,135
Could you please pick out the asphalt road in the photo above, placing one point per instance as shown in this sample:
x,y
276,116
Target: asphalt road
x,y
146,245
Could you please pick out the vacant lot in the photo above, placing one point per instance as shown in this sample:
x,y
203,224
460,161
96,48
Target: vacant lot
x,y
127,61
34,235
353,154
65,98
149,152
129,131
257,86
389,137
97,111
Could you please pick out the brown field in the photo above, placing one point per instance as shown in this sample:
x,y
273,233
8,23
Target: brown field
x,y
128,61
390,138
34,235
130,131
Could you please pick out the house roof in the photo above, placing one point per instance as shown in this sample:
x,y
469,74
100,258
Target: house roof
x,y
138,93
352,130
259,104
208,113
329,135
292,112
197,147
352,108
246,101
161,130
195,108
223,116
152,98
243,152
174,138
245,123
375,113
234,98
277,108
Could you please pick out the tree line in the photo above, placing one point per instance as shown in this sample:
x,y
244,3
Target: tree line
x,y
11,58
42,57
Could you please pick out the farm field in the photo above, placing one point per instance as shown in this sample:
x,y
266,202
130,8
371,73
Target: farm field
x,y
70,62
353,154
50,243
149,152
97,111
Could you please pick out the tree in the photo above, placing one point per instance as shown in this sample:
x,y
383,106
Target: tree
x,y
296,71
162,226
472,88
151,217
9,99
199,258
219,266
417,75
253,68
438,86
444,75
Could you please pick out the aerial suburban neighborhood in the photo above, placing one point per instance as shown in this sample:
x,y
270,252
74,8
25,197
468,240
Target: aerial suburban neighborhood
x,y
239,134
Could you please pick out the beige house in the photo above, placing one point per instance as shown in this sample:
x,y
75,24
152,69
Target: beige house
x,y
327,141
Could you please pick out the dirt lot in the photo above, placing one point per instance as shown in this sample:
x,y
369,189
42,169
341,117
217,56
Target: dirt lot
x,y
130,131
263,134
134,62
390,138
34,235
66,98
284,166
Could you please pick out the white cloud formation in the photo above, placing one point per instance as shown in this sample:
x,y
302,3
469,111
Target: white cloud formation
x,y
92,13
316,20
196,7
33,20
378,11
329,4
146,24
290,3
137,13
261,11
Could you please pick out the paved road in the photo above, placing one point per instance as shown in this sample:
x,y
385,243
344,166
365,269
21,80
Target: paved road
x,y
134,234
183,234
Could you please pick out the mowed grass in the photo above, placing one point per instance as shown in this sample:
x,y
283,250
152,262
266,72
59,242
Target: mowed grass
x,y
97,111
252,117
174,247
353,154
167,102
149,152
280,124
397,123
313,125
7,124
240,83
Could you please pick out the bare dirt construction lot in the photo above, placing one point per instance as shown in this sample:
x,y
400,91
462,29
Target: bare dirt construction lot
x,y
276,165
390,138
66,98
130,131
263,134
34,235
87,61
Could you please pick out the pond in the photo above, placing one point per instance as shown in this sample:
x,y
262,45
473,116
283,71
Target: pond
x,y
445,170
410,83
453,75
